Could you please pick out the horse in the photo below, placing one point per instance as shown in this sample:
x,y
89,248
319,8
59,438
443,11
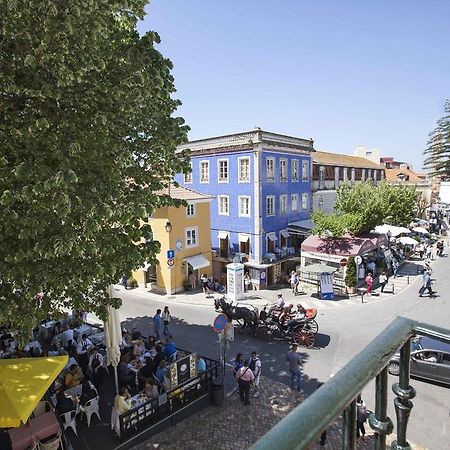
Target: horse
x,y
248,313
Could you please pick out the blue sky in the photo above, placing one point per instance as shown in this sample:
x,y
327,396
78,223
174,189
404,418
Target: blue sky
x,y
342,72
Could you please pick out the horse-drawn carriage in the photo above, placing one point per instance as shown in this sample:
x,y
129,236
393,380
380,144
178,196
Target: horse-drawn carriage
x,y
273,324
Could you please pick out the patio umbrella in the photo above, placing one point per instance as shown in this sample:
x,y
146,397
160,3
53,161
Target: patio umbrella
x,y
420,230
23,382
318,268
113,337
407,240
395,231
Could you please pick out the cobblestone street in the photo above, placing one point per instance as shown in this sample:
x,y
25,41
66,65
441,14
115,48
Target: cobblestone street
x,y
237,427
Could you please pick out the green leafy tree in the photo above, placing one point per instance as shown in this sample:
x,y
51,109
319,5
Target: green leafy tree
x,y
350,273
361,207
438,148
88,135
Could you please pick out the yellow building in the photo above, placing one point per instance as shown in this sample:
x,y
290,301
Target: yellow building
x,y
185,237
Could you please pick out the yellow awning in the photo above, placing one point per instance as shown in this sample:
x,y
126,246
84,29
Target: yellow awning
x,y
23,382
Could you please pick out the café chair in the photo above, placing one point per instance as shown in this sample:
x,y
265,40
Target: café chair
x,y
91,407
68,420
52,443
41,408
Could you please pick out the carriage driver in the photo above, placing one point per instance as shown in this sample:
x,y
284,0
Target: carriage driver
x,y
278,305
299,316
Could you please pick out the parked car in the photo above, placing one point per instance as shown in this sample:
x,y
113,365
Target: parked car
x,y
430,360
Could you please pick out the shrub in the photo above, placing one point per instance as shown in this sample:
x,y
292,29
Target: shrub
x,y
350,275
132,283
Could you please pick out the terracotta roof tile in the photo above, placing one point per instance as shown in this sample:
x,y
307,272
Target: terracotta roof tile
x,y
392,175
337,159
183,193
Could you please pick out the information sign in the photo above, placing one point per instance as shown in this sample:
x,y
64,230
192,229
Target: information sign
x,y
170,254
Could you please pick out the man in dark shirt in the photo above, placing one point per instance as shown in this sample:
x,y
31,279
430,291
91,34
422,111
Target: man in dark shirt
x,y
87,393
126,376
64,404
99,373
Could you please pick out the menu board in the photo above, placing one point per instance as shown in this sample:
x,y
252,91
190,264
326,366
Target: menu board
x,y
182,370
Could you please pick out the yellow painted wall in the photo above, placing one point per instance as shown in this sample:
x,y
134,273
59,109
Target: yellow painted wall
x,y
171,280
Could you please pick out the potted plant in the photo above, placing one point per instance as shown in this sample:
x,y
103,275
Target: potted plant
x,y
350,275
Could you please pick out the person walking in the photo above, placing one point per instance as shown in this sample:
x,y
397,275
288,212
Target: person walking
x,y
293,280
166,317
421,250
192,280
395,267
245,378
247,282
158,325
382,280
255,366
361,417
124,281
369,283
440,248
204,280
295,368
426,284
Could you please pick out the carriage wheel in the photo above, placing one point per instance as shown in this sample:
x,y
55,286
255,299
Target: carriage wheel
x,y
312,326
304,338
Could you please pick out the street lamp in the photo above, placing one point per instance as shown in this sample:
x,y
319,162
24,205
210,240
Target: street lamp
x,y
168,227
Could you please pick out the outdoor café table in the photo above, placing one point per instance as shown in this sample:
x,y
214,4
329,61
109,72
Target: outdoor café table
x,y
137,400
84,329
45,425
97,339
21,437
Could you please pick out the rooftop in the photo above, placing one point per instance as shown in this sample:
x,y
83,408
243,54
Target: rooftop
x,y
183,193
406,175
337,159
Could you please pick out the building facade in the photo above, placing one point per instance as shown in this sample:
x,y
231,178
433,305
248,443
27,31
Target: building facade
x,y
260,182
185,238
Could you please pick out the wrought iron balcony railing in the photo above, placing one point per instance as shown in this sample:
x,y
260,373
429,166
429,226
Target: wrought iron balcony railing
x,y
303,426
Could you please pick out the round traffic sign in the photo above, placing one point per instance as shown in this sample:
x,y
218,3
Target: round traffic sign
x,y
343,262
358,259
220,323
170,262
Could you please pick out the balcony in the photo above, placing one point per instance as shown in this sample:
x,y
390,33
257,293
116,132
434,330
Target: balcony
x,y
303,426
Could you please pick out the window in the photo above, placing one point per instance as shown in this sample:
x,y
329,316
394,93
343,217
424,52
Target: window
x,y
321,177
188,176
353,175
305,170
283,169
363,174
204,171
270,205
244,170
223,170
345,174
305,200
294,202
223,205
244,206
190,210
270,169
283,204
294,170
191,237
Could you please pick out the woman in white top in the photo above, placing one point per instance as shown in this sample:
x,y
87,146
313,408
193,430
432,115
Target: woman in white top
x,y
166,317
139,348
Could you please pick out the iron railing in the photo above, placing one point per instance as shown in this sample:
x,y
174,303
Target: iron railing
x,y
302,427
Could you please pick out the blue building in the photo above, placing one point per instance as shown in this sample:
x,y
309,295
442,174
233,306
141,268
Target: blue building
x,y
261,183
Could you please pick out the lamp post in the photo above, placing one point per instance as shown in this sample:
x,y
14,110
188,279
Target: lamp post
x,y
168,227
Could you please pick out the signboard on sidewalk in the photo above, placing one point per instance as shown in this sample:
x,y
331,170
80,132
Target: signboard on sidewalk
x,y
326,286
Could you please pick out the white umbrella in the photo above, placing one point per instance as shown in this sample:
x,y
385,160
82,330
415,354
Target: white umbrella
x,y
113,338
420,230
404,230
395,231
407,240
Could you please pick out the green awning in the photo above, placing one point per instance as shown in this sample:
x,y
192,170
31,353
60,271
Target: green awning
x,y
318,268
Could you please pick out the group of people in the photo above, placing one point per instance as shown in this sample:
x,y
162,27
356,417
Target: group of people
x,y
161,322
247,373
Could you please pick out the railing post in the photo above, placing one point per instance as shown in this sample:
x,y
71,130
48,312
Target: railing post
x,y
403,403
349,427
379,422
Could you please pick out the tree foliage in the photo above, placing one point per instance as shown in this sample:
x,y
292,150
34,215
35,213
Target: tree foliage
x,y
350,273
88,135
438,147
361,207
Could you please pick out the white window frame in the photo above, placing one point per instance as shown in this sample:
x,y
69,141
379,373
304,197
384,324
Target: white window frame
x,y
200,164
219,204
241,198
219,179
283,163
283,203
194,241
294,170
190,207
305,201
305,171
188,176
272,161
272,198
240,161
294,202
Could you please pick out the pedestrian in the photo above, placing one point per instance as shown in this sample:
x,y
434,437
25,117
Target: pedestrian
x,y
293,279
421,250
166,317
192,280
255,366
382,280
429,252
124,281
158,325
247,282
361,417
238,363
395,267
295,361
204,280
323,436
440,248
426,284
369,283
245,378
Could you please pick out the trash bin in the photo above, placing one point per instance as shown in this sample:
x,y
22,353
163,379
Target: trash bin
x,y
218,394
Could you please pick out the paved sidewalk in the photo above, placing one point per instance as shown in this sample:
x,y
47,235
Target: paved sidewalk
x,y
235,426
